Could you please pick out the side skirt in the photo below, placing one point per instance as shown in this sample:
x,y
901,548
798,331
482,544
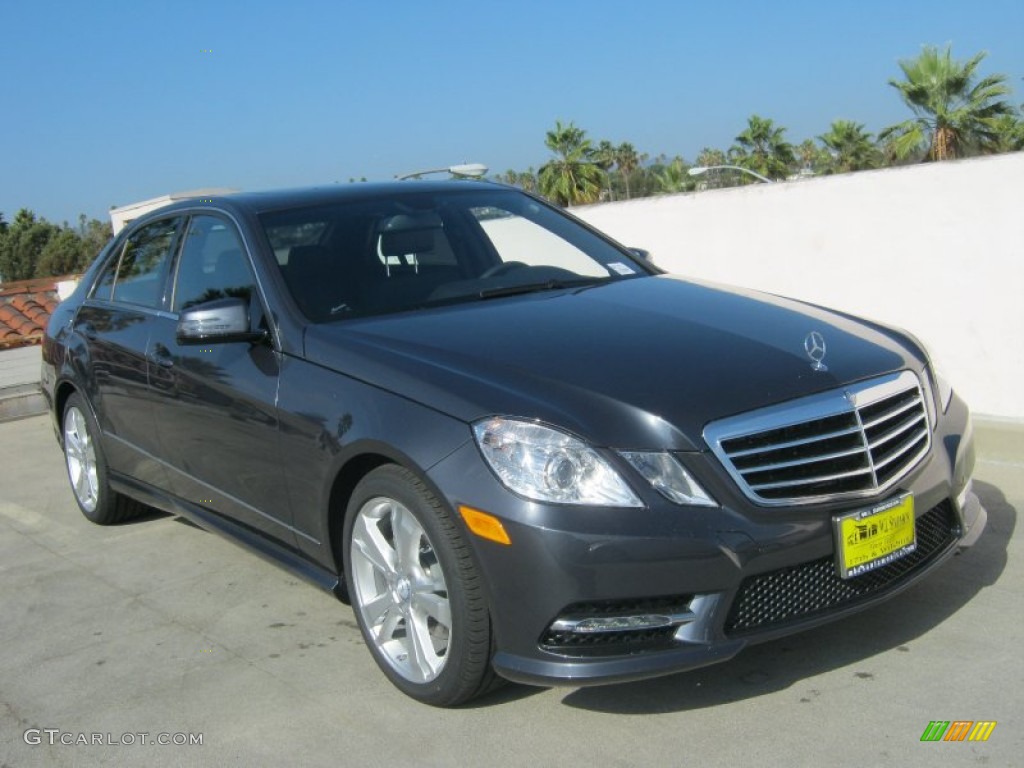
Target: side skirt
x,y
208,520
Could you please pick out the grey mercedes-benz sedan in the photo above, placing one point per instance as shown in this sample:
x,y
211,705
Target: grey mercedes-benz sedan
x,y
518,449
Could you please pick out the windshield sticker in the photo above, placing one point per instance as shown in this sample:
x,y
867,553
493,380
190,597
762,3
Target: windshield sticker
x,y
621,268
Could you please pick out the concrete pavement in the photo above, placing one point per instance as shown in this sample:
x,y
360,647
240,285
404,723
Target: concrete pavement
x,y
156,627
20,394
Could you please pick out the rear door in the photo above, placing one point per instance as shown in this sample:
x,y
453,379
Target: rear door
x,y
115,324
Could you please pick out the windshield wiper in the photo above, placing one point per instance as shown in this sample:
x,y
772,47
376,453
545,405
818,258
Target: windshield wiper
x,y
547,285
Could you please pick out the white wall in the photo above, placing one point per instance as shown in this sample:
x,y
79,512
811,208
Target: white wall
x,y
937,249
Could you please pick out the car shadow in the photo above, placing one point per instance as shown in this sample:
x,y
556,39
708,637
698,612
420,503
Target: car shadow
x,y
147,516
777,665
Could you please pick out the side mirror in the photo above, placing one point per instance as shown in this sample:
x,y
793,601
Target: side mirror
x,y
221,320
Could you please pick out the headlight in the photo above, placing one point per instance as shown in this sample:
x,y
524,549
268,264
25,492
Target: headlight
x,y
670,478
944,389
545,464
945,393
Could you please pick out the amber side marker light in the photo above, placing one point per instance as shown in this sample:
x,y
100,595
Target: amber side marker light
x,y
484,525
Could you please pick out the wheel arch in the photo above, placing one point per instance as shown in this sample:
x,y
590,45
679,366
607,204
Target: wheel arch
x,y
64,390
362,462
344,484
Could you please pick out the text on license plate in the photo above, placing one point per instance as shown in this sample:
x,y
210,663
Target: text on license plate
x,y
870,538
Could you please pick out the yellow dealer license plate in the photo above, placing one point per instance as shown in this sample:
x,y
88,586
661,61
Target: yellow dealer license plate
x,y
870,538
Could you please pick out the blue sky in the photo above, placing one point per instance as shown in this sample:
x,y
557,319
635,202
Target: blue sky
x,y
107,103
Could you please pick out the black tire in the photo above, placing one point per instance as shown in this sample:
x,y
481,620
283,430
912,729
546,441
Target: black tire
x,y
439,575
87,467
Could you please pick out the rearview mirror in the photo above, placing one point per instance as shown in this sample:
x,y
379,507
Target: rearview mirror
x,y
222,320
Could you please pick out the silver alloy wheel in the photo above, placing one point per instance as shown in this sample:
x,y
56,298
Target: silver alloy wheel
x,y
81,459
399,589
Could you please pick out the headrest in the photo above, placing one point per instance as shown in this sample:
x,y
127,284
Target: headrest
x,y
407,241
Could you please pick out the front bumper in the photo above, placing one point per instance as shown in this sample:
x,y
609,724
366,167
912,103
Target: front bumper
x,y
725,577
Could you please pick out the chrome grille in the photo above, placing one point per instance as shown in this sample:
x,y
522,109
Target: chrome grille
x,y
844,443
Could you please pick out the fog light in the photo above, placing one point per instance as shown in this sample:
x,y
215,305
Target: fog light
x,y
621,623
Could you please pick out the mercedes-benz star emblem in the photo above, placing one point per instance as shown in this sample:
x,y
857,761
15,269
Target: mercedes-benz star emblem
x,y
814,345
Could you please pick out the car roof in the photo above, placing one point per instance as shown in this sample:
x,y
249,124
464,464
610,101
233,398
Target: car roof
x,y
283,199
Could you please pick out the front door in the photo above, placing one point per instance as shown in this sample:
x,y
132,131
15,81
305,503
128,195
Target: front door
x,y
216,405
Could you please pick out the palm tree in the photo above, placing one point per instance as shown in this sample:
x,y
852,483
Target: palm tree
x,y
627,161
604,157
762,148
710,156
954,114
525,180
571,177
1009,133
528,180
851,147
672,177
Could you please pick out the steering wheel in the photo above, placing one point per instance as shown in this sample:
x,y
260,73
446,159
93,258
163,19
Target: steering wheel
x,y
501,269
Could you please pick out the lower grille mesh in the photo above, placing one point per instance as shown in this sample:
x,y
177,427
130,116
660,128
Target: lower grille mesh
x,y
799,592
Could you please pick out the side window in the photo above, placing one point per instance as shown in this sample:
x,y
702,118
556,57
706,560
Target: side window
x,y
144,262
212,264
287,235
104,287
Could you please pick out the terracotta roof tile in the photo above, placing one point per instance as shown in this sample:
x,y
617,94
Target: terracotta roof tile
x,y
25,308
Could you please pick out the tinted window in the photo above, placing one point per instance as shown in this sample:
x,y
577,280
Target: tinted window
x,y
405,251
286,234
142,269
517,238
105,282
212,265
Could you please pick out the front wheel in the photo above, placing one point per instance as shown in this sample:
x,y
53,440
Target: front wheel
x,y
415,590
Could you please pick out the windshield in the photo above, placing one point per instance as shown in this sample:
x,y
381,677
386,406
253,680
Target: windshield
x,y
405,251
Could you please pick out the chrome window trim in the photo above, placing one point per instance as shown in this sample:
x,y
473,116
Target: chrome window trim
x,y
125,306
841,401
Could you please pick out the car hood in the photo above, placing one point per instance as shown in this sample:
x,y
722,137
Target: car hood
x,y
640,363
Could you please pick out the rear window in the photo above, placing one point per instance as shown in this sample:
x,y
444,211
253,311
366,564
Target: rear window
x,y
139,275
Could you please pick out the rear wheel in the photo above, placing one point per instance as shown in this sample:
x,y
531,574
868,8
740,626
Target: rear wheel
x,y
415,590
87,468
